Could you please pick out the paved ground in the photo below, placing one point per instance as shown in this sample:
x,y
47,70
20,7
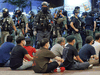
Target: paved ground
x,y
94,71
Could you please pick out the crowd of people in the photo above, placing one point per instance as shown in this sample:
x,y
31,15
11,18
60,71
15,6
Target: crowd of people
x,y
60,43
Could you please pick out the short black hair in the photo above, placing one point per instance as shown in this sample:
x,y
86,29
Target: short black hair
x,y
88,39
19,39
77,7
9,38
43,42
70,38
97,36
28,41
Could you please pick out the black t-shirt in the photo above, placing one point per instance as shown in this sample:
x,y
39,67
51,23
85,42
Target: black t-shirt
x,y
76,22
17,55
68,54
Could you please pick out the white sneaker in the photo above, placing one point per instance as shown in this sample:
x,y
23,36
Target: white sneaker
x,y
90,66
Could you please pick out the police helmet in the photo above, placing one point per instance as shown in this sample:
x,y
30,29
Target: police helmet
x,y
18,11
45,3
77,7
31,13
5,12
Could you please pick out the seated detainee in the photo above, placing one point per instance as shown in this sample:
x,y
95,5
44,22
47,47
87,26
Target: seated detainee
x,y
42,57
17,55
87,51
96,44
5,51
68,54
29,48
57,49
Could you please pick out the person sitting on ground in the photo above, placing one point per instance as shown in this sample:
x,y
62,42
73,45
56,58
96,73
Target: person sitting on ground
x,y
17,55
42,57
57,49
5,51
68,54
87,52
96,44
29,48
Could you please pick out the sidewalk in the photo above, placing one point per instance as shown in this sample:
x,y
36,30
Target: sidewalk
x,y
7,71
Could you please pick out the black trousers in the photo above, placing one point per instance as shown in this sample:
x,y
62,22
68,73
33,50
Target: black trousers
x,y
51,66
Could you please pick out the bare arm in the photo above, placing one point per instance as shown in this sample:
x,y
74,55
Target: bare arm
x,y
14,27
59,59
94,26
28,56
94,57
79,59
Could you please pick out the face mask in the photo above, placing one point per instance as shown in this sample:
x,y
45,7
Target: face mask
x,y
5,15
44,9
24,43
49,46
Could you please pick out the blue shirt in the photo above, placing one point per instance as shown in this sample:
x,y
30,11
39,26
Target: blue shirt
x,y
86,51
5,50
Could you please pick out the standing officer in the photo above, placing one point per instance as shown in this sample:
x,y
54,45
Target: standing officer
x,y
6,25
98,23
76,25
43,22
90,24
31,26
21,22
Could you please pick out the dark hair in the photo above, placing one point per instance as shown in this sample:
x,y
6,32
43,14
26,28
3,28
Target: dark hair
x,y
43,42
88,39
77,7
28,41
19,39
9,38
70,38
97,36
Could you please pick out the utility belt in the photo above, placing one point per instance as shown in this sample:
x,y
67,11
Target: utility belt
x,y
89,27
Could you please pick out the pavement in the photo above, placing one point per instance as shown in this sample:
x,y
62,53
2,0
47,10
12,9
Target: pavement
x,y
7,71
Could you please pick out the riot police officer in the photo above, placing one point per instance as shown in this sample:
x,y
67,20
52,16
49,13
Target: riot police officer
x,y
21,22
90,25
43,23
6,25
98,23
31,26
76,25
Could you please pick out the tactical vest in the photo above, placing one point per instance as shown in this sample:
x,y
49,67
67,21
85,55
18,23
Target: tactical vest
x,y
19,22
46,21
6,24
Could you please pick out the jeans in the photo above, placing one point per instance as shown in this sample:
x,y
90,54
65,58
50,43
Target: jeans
x,y
25,65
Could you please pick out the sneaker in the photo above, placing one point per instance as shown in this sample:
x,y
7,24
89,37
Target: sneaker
x,y
59,69
90,66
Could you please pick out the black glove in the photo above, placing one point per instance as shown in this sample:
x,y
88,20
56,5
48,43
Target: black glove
x,y
16,33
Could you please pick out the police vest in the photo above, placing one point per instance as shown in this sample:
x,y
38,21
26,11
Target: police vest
x,y
98,23
6,24
19,22
44,22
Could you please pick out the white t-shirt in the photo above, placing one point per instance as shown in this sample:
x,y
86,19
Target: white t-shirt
x,y
96,45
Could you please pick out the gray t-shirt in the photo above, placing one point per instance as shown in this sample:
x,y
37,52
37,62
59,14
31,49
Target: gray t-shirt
x,y
57,49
